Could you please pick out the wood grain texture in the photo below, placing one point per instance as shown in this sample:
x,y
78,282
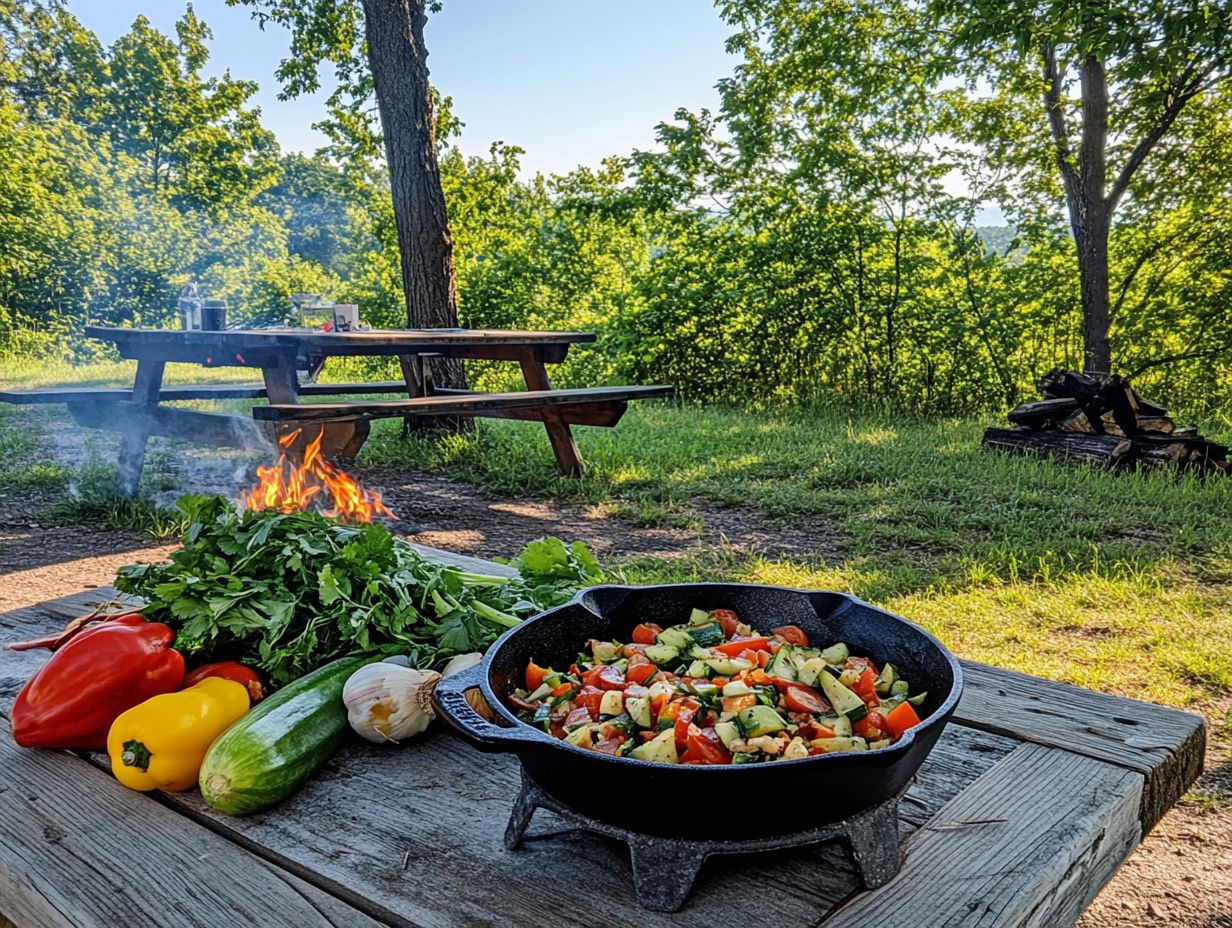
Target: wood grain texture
x,y
400,341
1165,745
379,824
568,460
76,848
1054,826
456,404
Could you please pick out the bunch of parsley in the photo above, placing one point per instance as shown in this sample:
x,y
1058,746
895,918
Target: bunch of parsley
x,y
288,592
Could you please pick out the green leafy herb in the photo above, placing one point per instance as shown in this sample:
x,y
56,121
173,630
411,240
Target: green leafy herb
x,y
288,592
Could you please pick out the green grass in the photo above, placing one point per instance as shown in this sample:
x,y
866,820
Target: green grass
x,y
1121,582
1117,581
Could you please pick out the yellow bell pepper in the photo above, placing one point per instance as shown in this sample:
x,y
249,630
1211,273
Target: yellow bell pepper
x,y
160,743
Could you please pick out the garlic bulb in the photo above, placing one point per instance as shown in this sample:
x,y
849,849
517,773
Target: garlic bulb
x,y
461,663
386,702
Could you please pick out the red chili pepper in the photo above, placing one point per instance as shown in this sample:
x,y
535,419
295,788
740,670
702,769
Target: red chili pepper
x,y
105,670
228,670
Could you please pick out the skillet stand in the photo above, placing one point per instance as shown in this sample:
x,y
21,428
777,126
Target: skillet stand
x,y
665,869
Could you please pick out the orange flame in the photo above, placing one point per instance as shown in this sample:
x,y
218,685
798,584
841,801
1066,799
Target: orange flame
x,y
293,483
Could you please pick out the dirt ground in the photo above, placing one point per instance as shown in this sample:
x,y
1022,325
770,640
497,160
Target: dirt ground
x,y
1180,876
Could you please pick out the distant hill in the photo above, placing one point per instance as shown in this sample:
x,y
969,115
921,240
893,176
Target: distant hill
x,y
996,239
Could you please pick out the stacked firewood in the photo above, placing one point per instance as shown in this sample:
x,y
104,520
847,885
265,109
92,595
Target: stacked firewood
x,y
1101,420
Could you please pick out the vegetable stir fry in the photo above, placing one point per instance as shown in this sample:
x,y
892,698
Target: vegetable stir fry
x,y
714,691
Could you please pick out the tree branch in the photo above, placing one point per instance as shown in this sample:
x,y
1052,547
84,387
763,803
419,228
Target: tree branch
x,y
1184,89
1056,113
1183,356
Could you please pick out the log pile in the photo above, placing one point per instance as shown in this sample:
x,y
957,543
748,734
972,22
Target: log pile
x,y
1101,420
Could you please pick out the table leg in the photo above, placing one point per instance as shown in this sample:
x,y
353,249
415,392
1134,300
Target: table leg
x,y
341,439
559,434
136,433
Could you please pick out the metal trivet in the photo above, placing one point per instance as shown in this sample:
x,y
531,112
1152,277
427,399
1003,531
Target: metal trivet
x,y
665,869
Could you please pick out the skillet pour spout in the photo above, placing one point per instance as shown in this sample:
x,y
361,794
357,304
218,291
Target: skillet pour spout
x,y
686,801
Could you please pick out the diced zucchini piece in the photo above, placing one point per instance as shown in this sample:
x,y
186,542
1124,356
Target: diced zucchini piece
x,y
837,745
759,720
780,665
638,708
842,727
699,617
836,653
728,666
612,703
662,654
707,635
918,699
849,676
541,692
660,750
889,673
676,638
661,688
807,674
698,669
580,736
742,758
899,688
878,745
844,701
706,692
728,732
889,703
604,651
736,688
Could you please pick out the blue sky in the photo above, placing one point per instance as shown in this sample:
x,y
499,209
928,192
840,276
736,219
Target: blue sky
x,y
570,81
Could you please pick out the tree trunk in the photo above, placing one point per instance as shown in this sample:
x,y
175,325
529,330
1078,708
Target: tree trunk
x,y
1090,217
398,59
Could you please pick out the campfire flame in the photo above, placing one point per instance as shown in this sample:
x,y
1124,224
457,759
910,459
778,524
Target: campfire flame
x,y
294,483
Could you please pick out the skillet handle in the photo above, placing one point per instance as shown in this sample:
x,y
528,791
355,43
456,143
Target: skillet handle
x,y
449,699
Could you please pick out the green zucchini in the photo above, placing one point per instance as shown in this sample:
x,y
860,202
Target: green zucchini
x,y
263,757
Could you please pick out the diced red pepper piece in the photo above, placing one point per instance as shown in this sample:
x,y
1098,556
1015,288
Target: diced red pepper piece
x,y
700,749
732,648
640,673
605,676
727,619
866,686
561,690
872,727
792,634
646,633
590,697
900,718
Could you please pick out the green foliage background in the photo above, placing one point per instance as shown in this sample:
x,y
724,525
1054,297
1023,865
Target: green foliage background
x,y
802,245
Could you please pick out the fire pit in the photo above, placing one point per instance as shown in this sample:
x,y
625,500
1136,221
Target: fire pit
x,y
302,479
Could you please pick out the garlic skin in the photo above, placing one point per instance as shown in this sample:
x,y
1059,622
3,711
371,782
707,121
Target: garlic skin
x,y
386,702
461,663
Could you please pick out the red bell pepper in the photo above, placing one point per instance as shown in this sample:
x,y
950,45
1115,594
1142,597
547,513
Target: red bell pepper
x,y
228,670
105,670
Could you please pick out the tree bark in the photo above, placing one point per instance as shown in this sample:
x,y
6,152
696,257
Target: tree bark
x,y
398,59
1090,218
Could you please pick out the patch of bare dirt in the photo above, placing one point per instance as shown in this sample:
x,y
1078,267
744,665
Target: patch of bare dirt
x,y
447,513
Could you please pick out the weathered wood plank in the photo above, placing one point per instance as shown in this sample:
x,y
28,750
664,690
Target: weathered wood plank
x,y
466,404
197,391
1055,826
211,428
76,848
1165,745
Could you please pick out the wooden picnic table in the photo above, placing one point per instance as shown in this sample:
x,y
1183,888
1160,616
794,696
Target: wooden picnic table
x,y
280,353
1033,797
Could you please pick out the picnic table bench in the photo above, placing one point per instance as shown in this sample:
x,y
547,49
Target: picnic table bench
x,y
280,353
1033,797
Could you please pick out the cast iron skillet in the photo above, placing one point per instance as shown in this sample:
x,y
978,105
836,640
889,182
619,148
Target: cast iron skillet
x,y
707,801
